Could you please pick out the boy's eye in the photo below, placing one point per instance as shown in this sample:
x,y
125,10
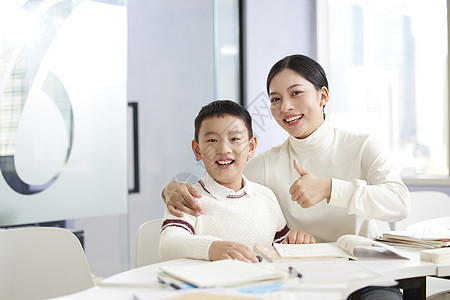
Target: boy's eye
x,y
234,139
211,141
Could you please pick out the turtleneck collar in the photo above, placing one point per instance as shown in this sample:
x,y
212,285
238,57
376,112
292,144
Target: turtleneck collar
x,y
315,144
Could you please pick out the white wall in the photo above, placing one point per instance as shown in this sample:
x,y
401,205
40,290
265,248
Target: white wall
x,y
273,30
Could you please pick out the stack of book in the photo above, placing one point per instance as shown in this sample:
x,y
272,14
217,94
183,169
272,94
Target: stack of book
x,y
427,239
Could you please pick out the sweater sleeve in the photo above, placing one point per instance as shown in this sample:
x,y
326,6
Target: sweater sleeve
x,y
282,227
381,195
178,238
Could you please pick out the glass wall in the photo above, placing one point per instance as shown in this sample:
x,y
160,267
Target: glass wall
x,y
62,110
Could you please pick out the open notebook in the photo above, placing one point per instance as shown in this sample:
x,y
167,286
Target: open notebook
x,y
343,249
224,273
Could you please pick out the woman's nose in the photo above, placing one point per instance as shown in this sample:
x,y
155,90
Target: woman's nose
x,y
286,105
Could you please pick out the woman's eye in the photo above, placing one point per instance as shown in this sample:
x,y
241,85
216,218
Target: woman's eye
x,y
272,100
295,93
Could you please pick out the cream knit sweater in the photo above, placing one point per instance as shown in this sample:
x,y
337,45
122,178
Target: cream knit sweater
x,y
250,215
365,185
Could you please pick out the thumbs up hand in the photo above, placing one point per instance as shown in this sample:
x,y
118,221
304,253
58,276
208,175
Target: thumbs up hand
x,y
309,190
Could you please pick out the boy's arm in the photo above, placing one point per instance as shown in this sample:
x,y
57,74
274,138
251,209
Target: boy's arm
x,y
178,239
286,236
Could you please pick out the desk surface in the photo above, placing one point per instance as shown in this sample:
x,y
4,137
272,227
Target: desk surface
x,y
321,280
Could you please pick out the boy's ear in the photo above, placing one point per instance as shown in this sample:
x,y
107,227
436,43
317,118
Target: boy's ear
x,y
196,150
252,147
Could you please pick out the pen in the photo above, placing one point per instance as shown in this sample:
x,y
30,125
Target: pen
x,y
292,270
174,285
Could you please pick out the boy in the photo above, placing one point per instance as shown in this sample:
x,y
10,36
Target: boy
x,y
239,213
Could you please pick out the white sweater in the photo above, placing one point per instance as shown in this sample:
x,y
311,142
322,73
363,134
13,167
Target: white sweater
x,y
365,185
250,215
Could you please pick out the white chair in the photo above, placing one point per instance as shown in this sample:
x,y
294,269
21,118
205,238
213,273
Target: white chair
x,y
425,205
40,263
147,243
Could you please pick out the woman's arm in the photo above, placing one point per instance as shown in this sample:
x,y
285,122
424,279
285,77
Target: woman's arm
x,y
380,195
181,197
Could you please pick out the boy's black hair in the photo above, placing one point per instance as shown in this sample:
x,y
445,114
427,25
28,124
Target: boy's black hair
x,y
220,108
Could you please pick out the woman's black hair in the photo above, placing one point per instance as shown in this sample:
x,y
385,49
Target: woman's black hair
x,y
304,66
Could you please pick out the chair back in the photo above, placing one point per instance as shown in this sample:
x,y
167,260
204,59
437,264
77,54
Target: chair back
x,y
40,263
425,205
147,243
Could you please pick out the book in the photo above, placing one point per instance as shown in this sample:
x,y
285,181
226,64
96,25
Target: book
x,y
418,238
437,256
224,273
343,249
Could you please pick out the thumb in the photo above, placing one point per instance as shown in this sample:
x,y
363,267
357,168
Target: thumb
x,y
299,169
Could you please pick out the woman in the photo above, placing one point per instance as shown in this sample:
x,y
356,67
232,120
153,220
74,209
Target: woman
x,y
328,182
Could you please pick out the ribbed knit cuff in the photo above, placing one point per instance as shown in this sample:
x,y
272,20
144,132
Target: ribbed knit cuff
x,y
202,247
341,192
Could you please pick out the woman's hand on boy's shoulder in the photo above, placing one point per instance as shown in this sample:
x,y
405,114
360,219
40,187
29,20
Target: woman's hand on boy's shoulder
x,y
231,250
297,236
180,197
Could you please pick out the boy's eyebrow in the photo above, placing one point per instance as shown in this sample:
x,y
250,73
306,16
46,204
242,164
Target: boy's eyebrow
x,y
231,131
210,132
236,131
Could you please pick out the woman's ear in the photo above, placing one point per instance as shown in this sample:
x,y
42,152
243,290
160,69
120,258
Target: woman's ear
x,y
252,147
196,150
324,96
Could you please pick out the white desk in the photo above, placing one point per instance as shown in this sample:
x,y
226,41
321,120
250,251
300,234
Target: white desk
x,y
321,280
443,270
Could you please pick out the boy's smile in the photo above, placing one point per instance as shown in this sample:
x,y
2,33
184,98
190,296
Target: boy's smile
x,y
224,146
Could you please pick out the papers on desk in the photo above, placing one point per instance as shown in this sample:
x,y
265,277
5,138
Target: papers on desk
x,y
418,238
225,273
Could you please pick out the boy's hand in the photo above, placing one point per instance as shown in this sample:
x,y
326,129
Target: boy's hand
x,y
179,197
231,250
296,236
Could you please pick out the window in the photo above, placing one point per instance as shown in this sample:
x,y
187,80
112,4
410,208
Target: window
x,y
387,66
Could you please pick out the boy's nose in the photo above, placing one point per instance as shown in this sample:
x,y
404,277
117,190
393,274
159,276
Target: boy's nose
x,y
224,147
